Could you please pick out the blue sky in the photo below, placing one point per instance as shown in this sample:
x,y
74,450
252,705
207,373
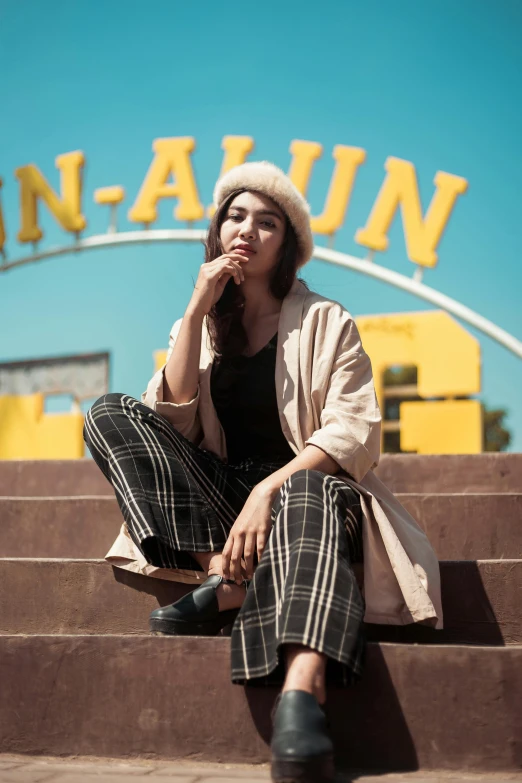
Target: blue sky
x,y
438,84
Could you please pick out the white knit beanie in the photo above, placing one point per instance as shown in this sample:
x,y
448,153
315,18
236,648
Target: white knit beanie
x,y
266,178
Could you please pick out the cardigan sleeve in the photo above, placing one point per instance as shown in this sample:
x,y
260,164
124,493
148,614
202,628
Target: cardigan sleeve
x,y
350,421
183,416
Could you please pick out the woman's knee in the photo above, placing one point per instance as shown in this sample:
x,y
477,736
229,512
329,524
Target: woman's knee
x,y
305,480
111,398
109,403
314,489
299,488
319,483
95,418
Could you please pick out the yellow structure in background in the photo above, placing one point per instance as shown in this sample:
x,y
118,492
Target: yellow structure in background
x,y
160,357
66,208
421,233
171,175
27,432
445,427
448,365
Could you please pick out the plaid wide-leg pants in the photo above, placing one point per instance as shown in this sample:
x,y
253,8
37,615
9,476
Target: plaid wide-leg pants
x,y
177,498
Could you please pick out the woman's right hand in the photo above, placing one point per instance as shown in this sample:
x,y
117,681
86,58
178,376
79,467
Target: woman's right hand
x,y
212,279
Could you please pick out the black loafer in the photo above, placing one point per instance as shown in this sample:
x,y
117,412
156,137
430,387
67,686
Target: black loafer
x,y
302,750
195,614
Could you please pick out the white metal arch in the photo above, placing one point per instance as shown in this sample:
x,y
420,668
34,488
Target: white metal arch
x,y
363,266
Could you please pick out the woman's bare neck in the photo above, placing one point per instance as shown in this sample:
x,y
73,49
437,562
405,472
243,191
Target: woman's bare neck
x,y
259,302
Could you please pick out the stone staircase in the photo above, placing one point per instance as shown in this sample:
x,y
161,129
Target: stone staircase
x,y
80,675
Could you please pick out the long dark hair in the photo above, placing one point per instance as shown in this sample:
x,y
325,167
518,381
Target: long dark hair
x,y
224,319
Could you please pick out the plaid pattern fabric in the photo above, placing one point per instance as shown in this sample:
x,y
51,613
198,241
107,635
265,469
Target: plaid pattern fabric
x,y
176,498
304,590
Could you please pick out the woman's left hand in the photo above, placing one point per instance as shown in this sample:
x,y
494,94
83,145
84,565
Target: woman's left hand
x,y
249,532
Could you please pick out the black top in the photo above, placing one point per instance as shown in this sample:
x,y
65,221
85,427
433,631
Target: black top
x,y
244,396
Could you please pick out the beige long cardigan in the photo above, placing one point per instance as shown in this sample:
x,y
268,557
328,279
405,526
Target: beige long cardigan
x,y
326,397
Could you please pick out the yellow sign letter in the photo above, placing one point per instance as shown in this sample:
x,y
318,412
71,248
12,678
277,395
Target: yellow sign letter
x,y
305,153
400,188
172,158
236,150
66,209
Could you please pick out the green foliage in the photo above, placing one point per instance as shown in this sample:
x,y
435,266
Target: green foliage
x,y
496,436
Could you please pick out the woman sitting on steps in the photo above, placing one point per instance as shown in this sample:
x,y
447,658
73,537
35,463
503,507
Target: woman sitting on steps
x,y
250,458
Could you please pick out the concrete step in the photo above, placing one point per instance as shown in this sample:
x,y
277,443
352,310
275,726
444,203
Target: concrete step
x,y
53,769
459,526
58,526
469,526
433,706
490,472
482,601
52,477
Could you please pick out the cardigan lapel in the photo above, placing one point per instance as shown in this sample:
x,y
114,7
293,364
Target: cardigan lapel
x,y
287,372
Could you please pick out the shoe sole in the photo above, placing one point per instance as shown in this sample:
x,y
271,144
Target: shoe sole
x,y
313,770
163,627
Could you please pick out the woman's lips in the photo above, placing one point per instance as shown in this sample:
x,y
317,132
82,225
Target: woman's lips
x,y
245,251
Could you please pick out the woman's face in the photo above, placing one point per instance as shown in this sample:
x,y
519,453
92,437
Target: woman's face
x,y
255,221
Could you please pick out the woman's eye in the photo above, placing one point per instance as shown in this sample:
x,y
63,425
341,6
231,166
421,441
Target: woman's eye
x,y
238,217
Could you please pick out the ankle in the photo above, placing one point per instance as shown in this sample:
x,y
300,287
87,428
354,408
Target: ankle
x,y
319,691
230,596
305,671
215,564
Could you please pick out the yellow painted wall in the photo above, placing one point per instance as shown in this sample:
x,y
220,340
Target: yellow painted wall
x,y
26,432
448,364
160,358
442,427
